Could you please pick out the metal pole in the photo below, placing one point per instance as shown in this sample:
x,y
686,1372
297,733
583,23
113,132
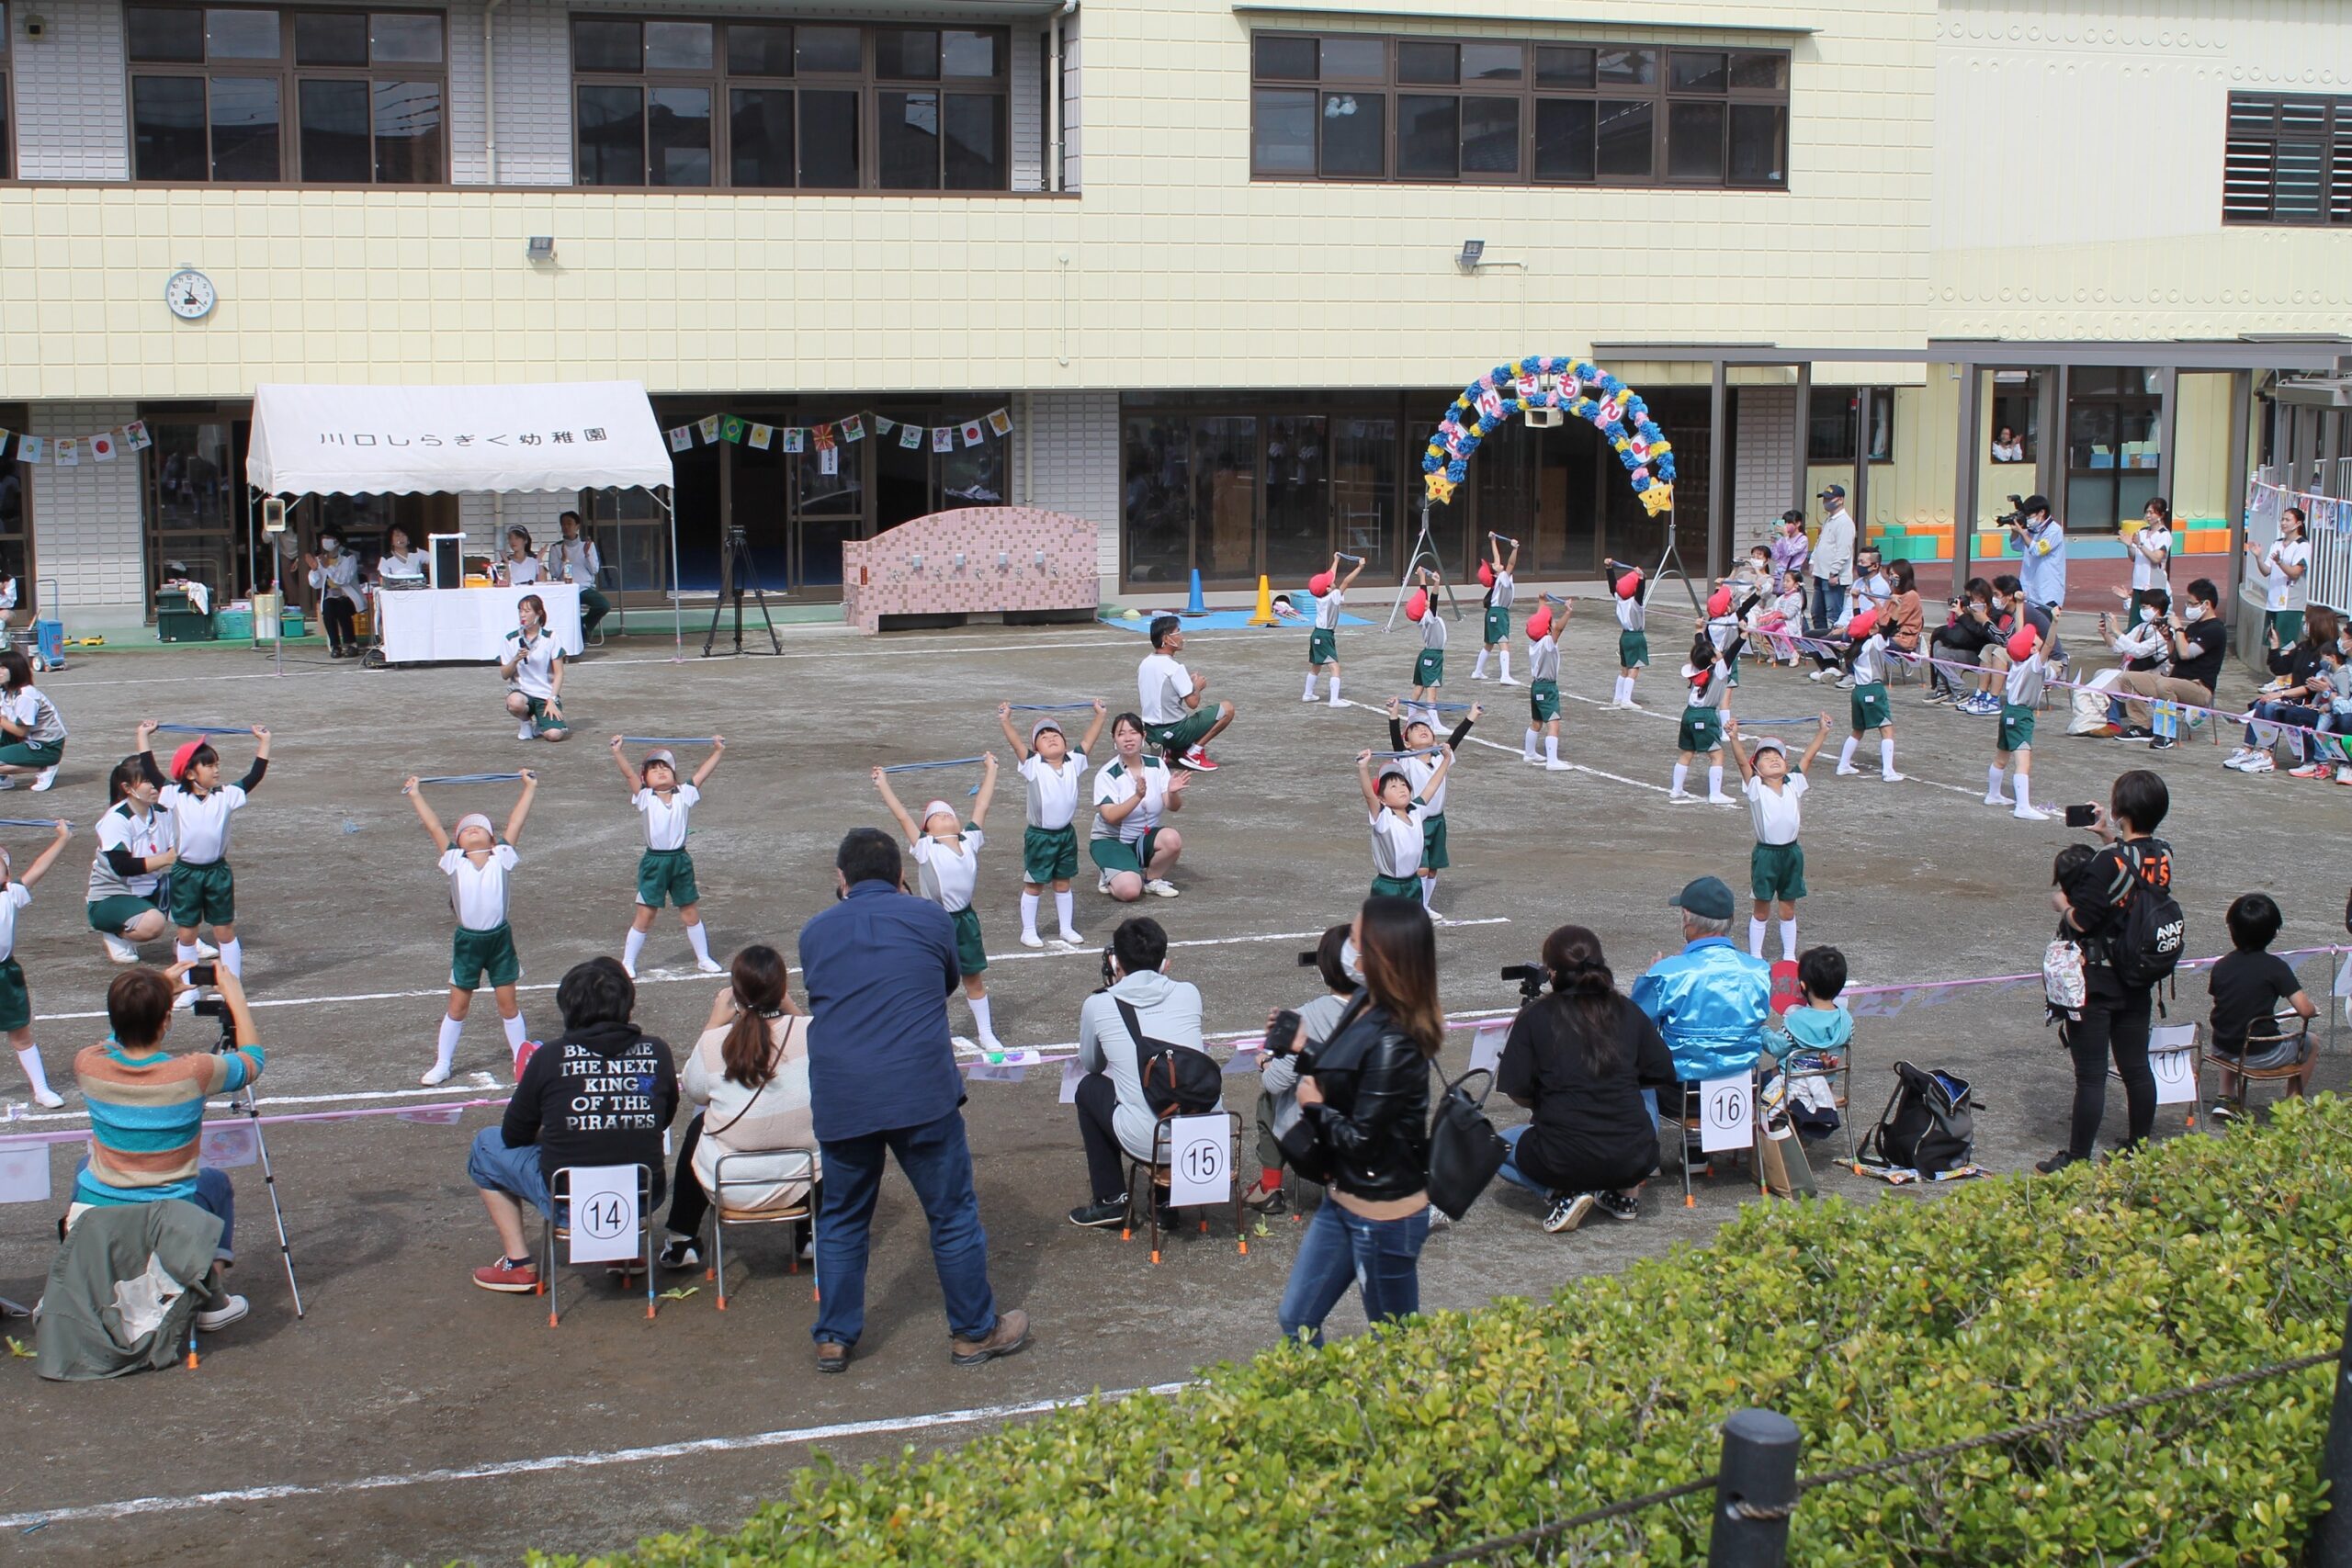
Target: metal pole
x,y
1718,476
1860,502
2331,1545
1968,475
2236,475
668,496
1804,437
2168,426
1755,1491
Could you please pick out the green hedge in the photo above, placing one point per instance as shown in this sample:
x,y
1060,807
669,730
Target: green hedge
x,y
1898,1326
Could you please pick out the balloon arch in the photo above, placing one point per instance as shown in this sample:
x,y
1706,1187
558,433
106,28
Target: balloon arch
x,y
1577,386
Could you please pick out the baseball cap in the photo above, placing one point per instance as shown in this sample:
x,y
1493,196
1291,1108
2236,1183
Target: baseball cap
x,y
186,755
1043,724
474,819
1418,605
1832,493
1539,624
1319,584
1707,897
1772,743
1719,601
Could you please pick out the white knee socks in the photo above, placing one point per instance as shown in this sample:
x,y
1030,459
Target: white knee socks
x,y
1992,795
2022,787
1788,941
1846,753
630,947
1428,891
1062,910
185,952
1756,930
513,1027
1309,694
1029,914
1682,772
1335,690
1715,783
1528,747
1551,747
1886,757
1480,672
1503,652
232,958
986,1031
30,1059
699,935
1623,693
446,1053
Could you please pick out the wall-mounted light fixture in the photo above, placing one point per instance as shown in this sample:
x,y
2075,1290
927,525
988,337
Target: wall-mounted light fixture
x,y
1471,250
540,248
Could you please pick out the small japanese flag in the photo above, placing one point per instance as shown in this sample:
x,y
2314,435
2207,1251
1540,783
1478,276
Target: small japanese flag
x,y
102,447
972,433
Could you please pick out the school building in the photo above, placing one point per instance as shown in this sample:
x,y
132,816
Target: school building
x,y
1218,265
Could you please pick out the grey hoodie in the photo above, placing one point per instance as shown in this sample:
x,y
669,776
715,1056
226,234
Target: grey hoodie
x,y
1169,1011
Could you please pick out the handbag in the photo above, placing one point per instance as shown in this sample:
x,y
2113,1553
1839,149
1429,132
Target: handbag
x,y
2063,988
1465,1149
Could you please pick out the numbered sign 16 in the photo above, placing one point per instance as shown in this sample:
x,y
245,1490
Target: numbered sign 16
x,y
1726,1113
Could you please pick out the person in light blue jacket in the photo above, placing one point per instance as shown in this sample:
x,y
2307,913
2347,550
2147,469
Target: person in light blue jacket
x,y
1712,1001
2042,550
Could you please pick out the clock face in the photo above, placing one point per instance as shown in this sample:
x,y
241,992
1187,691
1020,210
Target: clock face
x,y
190,294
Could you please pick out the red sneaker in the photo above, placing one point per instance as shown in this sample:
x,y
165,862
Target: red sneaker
x,y
508,1276
1198,761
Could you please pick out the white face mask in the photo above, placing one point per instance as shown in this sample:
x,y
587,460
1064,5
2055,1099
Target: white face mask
x,y
2147,612
329,546
2194,612
1350,960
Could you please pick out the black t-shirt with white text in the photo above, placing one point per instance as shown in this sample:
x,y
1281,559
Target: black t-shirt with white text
x,y
599,1096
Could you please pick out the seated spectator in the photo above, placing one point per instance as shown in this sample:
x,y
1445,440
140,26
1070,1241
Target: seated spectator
x,y
2335,724
2199,642
2141,643
1904,610
1711,1001
1113,1114
1579,1059
1968,627
749,1072
147,1108
1278,1076
2248,986
600,1093
1819,1025
2288,700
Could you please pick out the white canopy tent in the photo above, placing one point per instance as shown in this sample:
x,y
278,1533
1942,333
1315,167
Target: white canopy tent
x,y
565,436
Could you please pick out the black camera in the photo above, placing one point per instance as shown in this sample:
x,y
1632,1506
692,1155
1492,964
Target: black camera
x,y
1530,978
1110,975
211,1007
2015,515
1311,959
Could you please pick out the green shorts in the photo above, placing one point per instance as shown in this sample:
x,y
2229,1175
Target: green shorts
x,y
1702,729
1731,669
2017,728
474,954
2288,623
113,916
1395,887
1322,646
34,754
1498,624
15,1002
1868,707
203,894
666,874
540,722
1048,854
1543,701
1182,735
1116,855
1632,650
971,954
1433,855
1776,870
1428,666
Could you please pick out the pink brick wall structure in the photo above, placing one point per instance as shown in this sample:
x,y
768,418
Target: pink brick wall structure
x,y
978,560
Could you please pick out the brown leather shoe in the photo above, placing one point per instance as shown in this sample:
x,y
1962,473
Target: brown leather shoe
x,y
1010,1334
833,1357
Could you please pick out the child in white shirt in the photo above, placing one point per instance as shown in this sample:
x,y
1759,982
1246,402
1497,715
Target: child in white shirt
x,y
948,862
2029,671
1774,785
665,873
476,864
1329,591
1049,842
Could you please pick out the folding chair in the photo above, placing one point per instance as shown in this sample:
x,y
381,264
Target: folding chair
x,y
724,1214
1159,1167
1842,1070
2170,1040
1689,1127
2280,1053
604,574
558,1202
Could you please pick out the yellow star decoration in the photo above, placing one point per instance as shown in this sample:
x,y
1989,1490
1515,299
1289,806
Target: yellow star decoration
x,y
1658,499
1440,487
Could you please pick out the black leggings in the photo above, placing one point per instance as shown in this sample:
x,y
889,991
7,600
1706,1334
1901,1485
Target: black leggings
x,y
338,614
2116,1027
690,1205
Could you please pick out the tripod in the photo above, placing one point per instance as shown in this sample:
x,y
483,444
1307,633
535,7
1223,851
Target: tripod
x,y
1424,548
214,1007
1671,561
737,569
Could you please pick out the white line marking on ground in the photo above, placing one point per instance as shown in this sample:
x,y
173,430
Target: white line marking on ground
x,y
167,680
670,976
786,1437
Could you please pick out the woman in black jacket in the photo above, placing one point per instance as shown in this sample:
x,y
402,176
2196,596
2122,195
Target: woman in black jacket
x,y
1366,1096
1968,627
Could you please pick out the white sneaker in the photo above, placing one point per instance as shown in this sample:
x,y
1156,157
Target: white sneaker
x,y
1551,767
1031,938
1818,674
1307,697
709,966
48,1098
1073,939
1845,682
1480,675
1721,800
1102,883
229,1310
2260,762
185,1000
2031,814
1508,681
1849,772
1530,757
523,731
1161,887
1998,800
206,950
435,1076
7,781
1681,797
118,950
48,777
2237,759
1891,778
628,969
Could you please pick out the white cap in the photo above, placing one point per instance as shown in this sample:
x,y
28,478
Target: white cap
x,y
1772,743
475,820
1043,724
935,808
662,756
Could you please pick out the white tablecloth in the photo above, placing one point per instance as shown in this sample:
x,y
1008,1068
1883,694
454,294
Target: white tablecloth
x,y
470,625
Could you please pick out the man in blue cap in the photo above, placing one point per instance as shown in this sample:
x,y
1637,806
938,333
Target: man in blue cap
x,y
1711,1001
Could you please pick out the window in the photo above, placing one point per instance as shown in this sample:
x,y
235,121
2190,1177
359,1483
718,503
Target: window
x,y
250,95
778,106
2288,160
7,147
2114,445
1356,107
1835,416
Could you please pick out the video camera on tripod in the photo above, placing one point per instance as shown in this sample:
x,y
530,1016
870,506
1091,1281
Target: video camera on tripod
x,y
204,976
1531,978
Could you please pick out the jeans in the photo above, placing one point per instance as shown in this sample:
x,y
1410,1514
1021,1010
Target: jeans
x,y
1511,1171
494,1167
1828,603
2116,1027
938,1164
1378,1256
2262,732
1097,1101
214,1196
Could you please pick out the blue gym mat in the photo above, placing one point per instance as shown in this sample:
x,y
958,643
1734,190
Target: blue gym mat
x,y
1224,621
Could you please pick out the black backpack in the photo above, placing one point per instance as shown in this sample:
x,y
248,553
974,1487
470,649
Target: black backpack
x,y
1926,1126
2144,948
1178,1080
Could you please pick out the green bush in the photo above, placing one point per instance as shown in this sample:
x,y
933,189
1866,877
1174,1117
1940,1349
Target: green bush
x,y
1897,1326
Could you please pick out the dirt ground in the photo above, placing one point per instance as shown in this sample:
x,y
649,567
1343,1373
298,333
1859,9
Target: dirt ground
x,y
410,1416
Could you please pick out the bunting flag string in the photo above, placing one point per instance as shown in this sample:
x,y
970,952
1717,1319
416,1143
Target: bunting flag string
x,y
825,439
68,451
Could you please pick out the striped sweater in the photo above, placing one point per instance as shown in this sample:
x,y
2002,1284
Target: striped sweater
x,y
147,1117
